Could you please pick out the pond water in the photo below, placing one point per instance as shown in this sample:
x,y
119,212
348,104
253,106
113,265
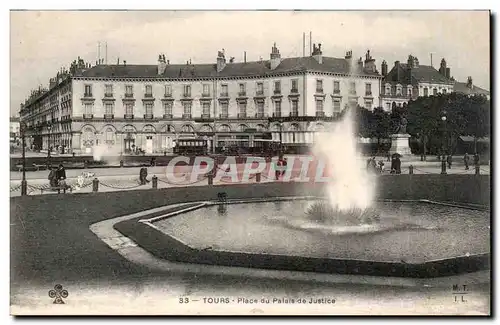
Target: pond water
x,y
410,232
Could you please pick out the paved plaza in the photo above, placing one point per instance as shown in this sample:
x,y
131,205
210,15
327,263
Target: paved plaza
x,y
127,178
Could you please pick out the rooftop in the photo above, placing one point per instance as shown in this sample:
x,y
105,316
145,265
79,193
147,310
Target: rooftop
x,y
420,73
465,88
239,69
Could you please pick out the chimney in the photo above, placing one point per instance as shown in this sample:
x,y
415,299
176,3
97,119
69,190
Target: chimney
x,y
221,61
469,83
397,66
245,57
384,69
360,64
275,57
348,57
317,53
162,65
448,72
118,61
370,63
411,62
442,67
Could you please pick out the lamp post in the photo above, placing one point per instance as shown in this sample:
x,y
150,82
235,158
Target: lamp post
x,y
24,184
444,142
49,128
280,123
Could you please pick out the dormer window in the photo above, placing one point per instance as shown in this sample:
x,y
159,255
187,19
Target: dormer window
x,y
399,90
388,89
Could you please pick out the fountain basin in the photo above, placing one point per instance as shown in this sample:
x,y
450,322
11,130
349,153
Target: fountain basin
x,y
412,239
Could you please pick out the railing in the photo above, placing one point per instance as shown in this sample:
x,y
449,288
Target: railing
x,y
147,95
88,116
259,93
260,114
320,114
186,95
167,95
242,115
224,116
277,91
224,95
108,95
205,95
128,116
169,116
368,93
148,116
276,114
86,95
129,95
186,116
319,90
294,90
242,93
205,116
294,113
109,116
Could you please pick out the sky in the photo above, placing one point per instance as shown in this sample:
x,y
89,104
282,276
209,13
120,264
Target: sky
x,y
41,42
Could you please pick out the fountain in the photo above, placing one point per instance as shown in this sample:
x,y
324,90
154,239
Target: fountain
x,y
338,228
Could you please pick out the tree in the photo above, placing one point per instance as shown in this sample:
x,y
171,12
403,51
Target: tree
x,y
476,117
423,118
380,124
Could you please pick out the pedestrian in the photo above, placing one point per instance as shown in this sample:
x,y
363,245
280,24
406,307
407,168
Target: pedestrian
x,y
397,165
61,172
143,173
476,159
449,161
373,165
53,178
393,164
466,161
61,179
381,166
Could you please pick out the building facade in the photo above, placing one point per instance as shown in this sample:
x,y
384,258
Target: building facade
x,y
124,107
14,129
407,81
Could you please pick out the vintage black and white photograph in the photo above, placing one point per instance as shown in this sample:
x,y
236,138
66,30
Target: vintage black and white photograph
x,y
314,162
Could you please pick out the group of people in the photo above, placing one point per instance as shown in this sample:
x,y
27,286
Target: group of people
x,y
467,159
57,179
373,166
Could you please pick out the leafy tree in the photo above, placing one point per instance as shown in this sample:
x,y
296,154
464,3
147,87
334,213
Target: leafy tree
x,y
379,125
476,117
424,115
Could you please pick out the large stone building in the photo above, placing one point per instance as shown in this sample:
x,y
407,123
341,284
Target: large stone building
x,y
407,81
151,107
14,129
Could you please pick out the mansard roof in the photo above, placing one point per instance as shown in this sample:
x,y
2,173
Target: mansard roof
x,y
462,87
238,69
421,73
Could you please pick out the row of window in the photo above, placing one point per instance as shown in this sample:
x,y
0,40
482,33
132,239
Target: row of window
x,y
409,91
129,90
224,108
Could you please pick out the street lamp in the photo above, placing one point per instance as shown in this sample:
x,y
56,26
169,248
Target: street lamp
x,y
49,127
24,185
443,118
280,123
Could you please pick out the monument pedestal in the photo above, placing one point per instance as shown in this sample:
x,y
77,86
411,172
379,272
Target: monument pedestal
x,y
400,143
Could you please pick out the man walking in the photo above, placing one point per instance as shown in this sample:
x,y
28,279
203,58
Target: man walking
x,y
466,161
449,161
